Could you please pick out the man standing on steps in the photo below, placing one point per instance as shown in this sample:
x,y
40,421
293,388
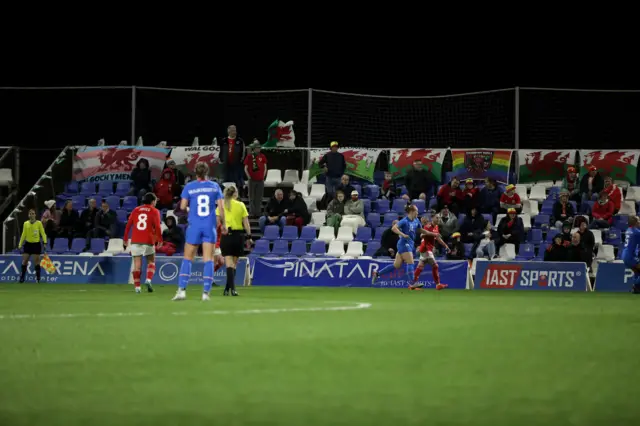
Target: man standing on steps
x,y
334,166
232,151
255,167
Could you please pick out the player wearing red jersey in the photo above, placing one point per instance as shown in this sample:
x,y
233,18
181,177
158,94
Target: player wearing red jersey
x,y
146,233
218,260
430,235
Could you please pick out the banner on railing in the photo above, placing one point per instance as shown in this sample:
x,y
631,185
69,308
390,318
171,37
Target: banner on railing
x,y
561,276
186,158
621,165
481,163
111,270
327,272
361,162
401,161
544,164
115,163
614,277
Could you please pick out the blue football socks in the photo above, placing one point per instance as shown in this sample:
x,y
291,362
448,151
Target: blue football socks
x,y
386,269
208,276
185,274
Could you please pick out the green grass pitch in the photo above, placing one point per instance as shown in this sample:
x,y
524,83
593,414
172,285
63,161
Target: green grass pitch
x,y
101,355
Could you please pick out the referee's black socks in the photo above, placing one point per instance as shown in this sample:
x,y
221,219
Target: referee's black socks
x,y
24,272
37,268
231,275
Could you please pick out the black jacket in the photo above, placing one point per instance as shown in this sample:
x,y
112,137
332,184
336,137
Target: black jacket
x,y
476,224
578,254
238,151
587,240
556,253
69,220
106,220
418,181
335,162
275,208
299,208
389,240
598,184
557,211
173,235
516,231
457,251
141,177
88,218
347,191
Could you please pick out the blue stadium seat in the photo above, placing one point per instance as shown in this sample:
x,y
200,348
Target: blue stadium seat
x,y
389,218
357,188
372,248
541,221
461,218
433,204
536,236
547,207
78,245
614,237
550,234
60,202
289,232
97,245
378,177
366,204
574,204
373,219
383,206
129,203
298,248
88,188
96,197
122,216
621,221
421,205
318,248
555,190
526,252
122,189
403,190
71,188
77,202
363,234
261,247
379,231
114,202
105,188
541,250
372,192
280,247
587,207
308,233
271,232
488,218
60,245
467,250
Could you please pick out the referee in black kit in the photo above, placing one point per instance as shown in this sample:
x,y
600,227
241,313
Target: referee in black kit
x,y
232,243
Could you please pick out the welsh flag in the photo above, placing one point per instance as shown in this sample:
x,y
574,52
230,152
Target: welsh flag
x,y
280,134
620,165
361,162
402,161
543,165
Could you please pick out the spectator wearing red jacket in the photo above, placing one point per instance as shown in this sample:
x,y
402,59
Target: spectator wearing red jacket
x,y
471,195
165,189
614,192
451,195
602,212
510,200
255,167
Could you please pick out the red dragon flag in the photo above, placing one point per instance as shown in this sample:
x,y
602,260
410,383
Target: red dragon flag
x,y
115,163
186,158
544,164
401,161
620,165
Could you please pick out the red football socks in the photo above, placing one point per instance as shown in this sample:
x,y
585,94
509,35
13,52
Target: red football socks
x,y
151,269
436,273
136,278
416,274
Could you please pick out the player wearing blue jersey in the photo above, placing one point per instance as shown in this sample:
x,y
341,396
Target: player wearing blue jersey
x,y
202,196
630,252
407,228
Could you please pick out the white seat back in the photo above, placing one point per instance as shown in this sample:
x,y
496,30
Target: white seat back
x,y
498,219
336,249
317,191
274,177
546,184
538,193
355,249
605,252
227,184
526,220
318,219
116,245
345,234
301,188
311,204
597,236
633,193
327,234
531,208
291,176
628,207
305,177
522,192
622,183
508,252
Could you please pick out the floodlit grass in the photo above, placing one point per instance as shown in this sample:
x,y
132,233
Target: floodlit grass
x,y
101,355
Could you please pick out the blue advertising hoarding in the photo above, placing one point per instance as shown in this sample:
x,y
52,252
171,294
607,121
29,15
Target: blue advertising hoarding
x,y
549,276
614,277
330,272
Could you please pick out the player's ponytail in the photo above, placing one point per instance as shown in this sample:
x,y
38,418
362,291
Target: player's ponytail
x,y
202,169
229,192
409,208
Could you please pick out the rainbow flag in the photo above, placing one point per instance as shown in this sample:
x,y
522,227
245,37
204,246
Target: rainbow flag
x,y
482,163
115,163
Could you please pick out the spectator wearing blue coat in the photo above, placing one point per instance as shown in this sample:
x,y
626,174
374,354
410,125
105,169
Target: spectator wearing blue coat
x,y
490,198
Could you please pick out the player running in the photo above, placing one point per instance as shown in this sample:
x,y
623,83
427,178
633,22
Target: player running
x,y
202,196
147,233
630,252
406,229
430,234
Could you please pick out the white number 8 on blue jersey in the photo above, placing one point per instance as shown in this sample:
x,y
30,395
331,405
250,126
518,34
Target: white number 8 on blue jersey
x,y
203,205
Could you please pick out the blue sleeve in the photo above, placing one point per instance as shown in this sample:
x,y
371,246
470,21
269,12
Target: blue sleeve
x,y
218,194
185,193
402,225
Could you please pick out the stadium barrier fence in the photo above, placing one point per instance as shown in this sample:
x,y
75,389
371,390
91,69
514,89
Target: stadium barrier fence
x,y
613,277
530,275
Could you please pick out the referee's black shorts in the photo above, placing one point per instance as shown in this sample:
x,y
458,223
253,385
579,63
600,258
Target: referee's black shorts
x,y
232,244
32,248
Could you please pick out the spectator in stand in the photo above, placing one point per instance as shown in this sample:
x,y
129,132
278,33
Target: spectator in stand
x,y
69,221
571,183
353,212
510,200
334,166
591,183
255,167
448,224
510,230
297,214
172,238
418,181
345,186
614,192
388,189
450,195
179,176
577,253
106,224
473,227
486,247
335,211
232,152
275,212
88,218
471,195
602,212
587,239
556,252
388,243
490,198
456,248
565,232
166,190
50,220
563,210
141,177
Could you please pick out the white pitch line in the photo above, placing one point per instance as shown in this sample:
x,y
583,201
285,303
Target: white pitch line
x,y
185,313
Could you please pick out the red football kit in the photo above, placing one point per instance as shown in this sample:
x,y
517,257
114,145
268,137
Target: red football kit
x,y
428,245
429,242
147,230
